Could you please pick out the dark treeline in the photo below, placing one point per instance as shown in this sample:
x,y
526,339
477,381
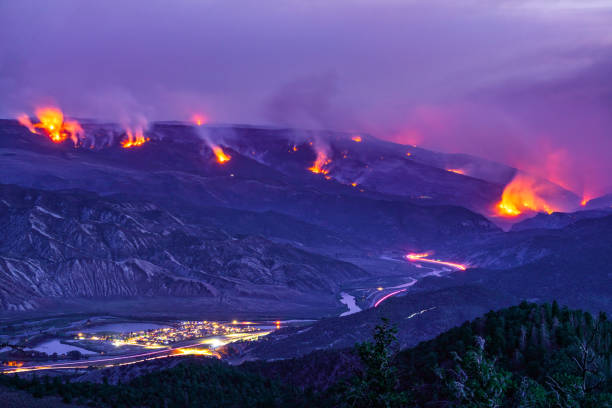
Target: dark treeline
x,y
524,356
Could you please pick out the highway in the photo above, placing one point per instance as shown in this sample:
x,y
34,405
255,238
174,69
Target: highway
x,y
102,361
420,258
201,346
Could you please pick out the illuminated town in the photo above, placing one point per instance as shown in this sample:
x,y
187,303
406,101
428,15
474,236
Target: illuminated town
x,y
181,331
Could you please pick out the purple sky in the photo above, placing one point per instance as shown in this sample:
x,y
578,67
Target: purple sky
x,y
528,83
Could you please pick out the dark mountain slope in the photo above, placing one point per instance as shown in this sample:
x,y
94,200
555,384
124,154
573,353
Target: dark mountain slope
x,y
76,244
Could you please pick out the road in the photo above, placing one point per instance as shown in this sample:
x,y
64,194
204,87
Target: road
x,y
104,361
420,258
180,348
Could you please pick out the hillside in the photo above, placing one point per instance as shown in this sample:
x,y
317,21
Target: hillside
x,y
526,355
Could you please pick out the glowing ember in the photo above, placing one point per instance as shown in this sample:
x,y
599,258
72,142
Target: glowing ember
x,y
52,124
520,195
24,120
319,165
295,149
135,138
408,154
584,201
423,257
198,119
356,139
458,171
354,184
220,154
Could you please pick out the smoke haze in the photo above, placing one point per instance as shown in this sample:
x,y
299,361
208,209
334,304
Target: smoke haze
x,y
523,82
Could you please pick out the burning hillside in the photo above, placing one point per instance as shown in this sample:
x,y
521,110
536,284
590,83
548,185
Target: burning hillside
x,y
134,138
524,194
320,164
220,155
51,123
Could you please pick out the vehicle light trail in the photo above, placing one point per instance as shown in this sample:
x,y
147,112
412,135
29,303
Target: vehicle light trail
x,y
423,258
188,349
387,296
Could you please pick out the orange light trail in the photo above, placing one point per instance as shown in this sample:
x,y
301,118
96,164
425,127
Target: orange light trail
x,y
423,258
387,296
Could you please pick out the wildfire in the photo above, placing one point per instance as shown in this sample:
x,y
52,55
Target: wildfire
x,y
134,138
458,171
198,119
520,195
584,201
319,165
52,124
222,157
356,139
14,364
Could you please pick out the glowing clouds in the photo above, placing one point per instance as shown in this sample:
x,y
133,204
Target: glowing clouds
x,y
52,124
522,194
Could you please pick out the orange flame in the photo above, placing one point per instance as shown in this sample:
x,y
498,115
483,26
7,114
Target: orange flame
x,y
584,201
52,124
14,364
356,139
522,195
319,165
135,138
198,119
222,157
458,171
24,120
